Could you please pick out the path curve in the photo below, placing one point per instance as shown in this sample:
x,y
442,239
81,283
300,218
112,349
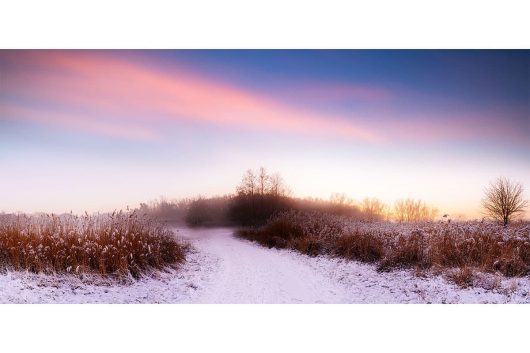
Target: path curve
x,y
249,273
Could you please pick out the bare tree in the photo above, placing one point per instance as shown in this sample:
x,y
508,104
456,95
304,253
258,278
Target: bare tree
x,y
373,209
504,200
277,185
249,184
263,181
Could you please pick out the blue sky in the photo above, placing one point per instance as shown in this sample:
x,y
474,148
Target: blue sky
x,y
100,130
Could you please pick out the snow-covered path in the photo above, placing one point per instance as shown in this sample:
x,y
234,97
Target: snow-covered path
x,y
221,268
248,273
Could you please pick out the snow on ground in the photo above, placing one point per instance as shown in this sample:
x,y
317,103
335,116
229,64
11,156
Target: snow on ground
x,y
249,273
180,286
365,285
225,269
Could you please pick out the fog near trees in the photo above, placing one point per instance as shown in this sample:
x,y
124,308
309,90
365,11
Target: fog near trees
x,y
260,194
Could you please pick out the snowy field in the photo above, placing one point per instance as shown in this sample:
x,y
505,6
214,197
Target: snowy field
x,y
223,269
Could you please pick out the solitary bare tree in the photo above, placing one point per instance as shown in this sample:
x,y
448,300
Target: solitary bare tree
x,y
504,200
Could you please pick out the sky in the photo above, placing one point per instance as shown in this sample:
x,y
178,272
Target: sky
x,y
103,130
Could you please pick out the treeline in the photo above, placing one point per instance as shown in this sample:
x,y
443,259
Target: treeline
x,y
260,195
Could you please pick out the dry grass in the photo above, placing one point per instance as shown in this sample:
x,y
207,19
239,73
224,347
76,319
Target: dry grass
x,y
464,247
358,246
463,277
118,245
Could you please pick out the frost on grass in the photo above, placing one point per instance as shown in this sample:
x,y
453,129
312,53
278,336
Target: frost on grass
x,y
220,268
460,250
118,245
183,285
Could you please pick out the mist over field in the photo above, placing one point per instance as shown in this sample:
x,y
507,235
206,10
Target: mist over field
x,y
264,176
102,130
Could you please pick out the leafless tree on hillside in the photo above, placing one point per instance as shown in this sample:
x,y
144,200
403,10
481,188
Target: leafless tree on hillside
x,y
262,183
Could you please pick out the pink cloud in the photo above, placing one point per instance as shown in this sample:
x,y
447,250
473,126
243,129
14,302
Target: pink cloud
x,y
96,83
76,122
109,95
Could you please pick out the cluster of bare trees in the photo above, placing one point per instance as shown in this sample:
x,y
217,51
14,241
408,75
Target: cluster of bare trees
x,y
410,210
261,194
262,183
503,201
404,210
374,210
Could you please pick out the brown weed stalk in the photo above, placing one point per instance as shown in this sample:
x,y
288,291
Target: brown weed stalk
x,y
118,244
483,246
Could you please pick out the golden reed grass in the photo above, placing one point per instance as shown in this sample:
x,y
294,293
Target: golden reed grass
x,y
486,247
119,244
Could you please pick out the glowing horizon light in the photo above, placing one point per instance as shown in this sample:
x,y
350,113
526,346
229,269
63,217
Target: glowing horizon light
x,y
98,130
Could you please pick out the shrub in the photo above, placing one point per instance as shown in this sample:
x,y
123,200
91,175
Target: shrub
x,y
276,234
256,209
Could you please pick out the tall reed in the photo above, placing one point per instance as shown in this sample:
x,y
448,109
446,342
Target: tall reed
x,y
118,244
